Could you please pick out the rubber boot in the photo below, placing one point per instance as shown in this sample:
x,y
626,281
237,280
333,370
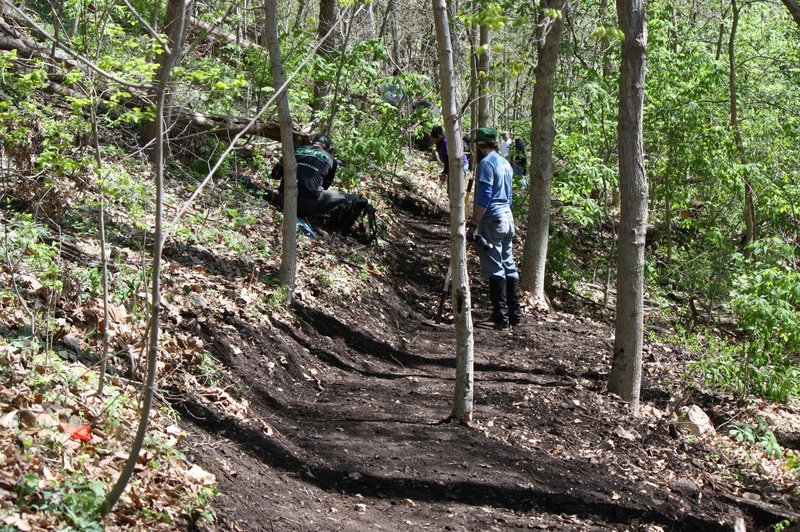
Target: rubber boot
x,y
512,294
497,293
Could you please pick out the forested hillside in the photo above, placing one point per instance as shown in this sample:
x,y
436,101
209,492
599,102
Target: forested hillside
x,y
185,346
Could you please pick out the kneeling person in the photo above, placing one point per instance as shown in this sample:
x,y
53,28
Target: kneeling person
x,y
321,207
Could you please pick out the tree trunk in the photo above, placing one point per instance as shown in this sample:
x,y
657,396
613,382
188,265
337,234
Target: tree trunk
x,y
794,9
180,11
749,206
473,98
543,134
462,400
337,89
298,18
387,15
484,62
288,269
626,368
327,18
175,28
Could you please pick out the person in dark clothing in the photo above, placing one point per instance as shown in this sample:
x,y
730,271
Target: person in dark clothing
x,y
439,140
520,162
493,222
321,207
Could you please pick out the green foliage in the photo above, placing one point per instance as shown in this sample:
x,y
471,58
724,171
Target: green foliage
x,y
691,156
91,282
759,434
75,500
39,136
492,15
370,133
767,305
209,368
276,298
33,255
130,196
561,259
211,84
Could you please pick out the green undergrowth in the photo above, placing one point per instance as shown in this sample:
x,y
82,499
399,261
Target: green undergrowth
x,y
65,445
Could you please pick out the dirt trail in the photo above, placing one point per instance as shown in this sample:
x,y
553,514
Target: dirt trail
x,y
346,426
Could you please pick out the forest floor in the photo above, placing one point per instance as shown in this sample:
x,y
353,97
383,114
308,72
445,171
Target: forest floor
x,y
346,400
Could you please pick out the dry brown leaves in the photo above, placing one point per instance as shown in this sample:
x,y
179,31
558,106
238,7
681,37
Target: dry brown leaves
x,y
46,405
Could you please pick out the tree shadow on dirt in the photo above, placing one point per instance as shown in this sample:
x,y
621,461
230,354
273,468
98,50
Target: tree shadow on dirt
x,y
545,490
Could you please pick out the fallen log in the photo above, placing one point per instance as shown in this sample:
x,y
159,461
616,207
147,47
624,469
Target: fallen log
x,y
214,32
225,127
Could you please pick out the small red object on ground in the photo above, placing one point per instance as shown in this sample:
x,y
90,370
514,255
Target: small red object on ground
x,y
82,433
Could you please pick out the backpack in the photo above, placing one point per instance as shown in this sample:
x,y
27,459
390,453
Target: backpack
x,y
354,217
366,226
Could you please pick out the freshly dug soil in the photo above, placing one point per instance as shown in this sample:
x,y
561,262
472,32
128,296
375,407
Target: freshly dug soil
x,y
347,423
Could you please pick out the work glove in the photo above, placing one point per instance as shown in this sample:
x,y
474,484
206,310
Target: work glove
x,y
471,233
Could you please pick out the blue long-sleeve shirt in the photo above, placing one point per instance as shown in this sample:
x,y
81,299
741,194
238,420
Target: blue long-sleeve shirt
x,y
493,188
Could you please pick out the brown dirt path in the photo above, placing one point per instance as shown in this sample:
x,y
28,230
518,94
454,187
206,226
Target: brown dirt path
x,y
346,426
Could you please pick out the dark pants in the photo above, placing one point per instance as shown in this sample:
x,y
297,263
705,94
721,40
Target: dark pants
x,y
332,210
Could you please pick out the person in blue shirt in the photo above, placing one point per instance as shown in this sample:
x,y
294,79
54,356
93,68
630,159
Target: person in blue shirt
x,y
493,221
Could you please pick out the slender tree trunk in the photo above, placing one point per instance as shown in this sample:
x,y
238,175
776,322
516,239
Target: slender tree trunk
x,y
366,20
327,18
461,301
543,134
298,19
175,29
103,243
484,63
288,269
337,93
626,369
162,89
473,96
673,164
749,205
387,15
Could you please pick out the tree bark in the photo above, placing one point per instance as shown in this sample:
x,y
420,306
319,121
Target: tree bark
x,y
484,63
626,368
473,98
327,18
337,90
288,268
387,15
794,9
749,205
228,127
175,29
543,134
460,296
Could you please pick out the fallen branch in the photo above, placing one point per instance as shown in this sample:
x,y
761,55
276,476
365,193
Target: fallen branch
x,y
764,513
213,31
228,127
225,127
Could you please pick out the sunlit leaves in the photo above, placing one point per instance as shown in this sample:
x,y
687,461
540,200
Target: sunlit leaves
x,y
611,33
